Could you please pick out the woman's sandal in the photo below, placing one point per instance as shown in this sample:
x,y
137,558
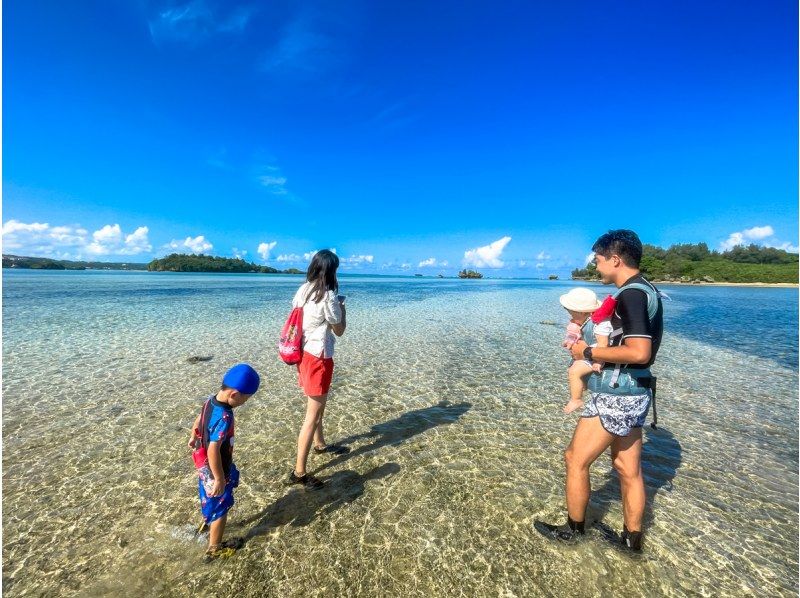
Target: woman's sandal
x,y
333,449
309,481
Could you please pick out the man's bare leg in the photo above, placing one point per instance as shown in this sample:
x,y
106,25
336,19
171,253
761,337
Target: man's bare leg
x,y
626,454
588,443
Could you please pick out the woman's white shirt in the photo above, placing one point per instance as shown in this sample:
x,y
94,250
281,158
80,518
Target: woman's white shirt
x,y
318,337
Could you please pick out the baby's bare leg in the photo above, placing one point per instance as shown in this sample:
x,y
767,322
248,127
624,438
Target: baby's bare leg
x,y
576,374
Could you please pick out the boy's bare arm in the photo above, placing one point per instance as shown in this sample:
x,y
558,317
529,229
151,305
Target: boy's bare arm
x,y
192,436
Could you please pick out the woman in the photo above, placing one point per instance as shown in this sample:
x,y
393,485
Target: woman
x,y
323,316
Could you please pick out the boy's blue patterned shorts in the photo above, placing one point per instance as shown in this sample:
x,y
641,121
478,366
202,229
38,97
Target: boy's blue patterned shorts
x,y
214,507
618,414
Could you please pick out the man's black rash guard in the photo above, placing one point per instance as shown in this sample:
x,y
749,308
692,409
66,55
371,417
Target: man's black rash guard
x,y
631,315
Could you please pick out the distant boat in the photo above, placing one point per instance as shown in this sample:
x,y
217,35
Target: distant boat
x,y
418,275
552,277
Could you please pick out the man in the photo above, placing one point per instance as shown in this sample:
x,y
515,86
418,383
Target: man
x,y
619,397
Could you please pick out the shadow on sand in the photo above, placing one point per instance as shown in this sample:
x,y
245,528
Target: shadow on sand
x,y
299,507
400,429
661,458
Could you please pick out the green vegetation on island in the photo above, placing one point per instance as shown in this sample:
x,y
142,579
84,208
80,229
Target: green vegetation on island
x,y
696,263
46,263
181,262
469,274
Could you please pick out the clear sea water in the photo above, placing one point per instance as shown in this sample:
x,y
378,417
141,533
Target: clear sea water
x,y
448,392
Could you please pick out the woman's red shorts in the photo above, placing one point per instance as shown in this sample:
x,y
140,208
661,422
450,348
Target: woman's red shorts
x,y
314,374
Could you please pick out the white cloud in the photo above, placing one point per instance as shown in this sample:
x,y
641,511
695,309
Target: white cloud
x,y
309,254
265,248
756,234
137,242
487,256
588,259
405,266
787,247
540,265
358,259
290,257
40,238
431,262
274,184
303,48
751,234
197,20
239,253
198,244
66,242
543,255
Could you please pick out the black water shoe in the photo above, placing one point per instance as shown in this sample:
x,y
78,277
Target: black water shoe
x,y
631,540
569,532
332,449
309,481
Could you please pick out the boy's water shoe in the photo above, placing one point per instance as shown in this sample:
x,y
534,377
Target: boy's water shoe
x,y
568,532
309,481
223,550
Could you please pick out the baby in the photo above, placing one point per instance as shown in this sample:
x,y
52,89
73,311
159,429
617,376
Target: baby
x,y
581,303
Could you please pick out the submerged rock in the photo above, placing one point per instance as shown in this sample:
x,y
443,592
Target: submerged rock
x,y
549,323
198,358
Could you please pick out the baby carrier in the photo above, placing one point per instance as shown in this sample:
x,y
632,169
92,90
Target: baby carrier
x,y
622,380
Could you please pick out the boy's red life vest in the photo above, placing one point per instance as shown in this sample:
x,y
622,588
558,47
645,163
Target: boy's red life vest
x,y
290,346
200,452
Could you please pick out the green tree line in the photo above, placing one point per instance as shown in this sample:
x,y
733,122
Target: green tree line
x,y
181,262
688,262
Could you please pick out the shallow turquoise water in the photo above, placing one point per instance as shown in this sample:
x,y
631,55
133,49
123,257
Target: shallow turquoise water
x,y
449,393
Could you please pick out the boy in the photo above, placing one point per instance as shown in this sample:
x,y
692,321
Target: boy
x,y
212,443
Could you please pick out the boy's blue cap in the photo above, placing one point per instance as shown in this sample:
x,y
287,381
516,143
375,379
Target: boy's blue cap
x,y
243,378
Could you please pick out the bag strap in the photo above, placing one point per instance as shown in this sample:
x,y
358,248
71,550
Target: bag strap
x,y
205,415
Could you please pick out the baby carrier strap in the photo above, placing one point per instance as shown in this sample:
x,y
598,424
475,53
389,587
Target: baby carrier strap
x,y
587,329
653,296
652,293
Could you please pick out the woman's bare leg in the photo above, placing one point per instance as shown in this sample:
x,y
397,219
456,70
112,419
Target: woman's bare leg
x,y
314,408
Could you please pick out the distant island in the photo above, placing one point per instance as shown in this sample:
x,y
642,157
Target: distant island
x,y
45,263
175,262
181,262
695,263
469,274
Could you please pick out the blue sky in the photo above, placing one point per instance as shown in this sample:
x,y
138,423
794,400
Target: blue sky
x,y
411,137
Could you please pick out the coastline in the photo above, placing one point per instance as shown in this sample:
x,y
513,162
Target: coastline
x,y
784,285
